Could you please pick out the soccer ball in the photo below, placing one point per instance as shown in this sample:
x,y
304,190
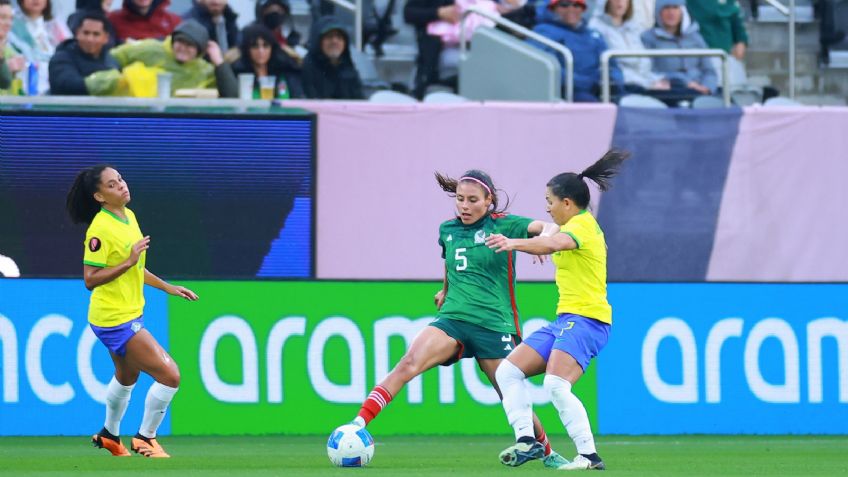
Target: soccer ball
x,y
350,446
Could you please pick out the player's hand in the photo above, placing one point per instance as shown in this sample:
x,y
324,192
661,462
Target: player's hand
x,y
184,292
137,248
439,299
499,243
540,259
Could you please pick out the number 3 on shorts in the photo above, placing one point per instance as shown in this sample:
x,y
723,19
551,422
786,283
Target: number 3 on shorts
x,y
461,260
568,325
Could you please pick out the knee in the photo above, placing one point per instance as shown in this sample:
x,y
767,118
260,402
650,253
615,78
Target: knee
x,y
508,373
556,387
172,377
408,368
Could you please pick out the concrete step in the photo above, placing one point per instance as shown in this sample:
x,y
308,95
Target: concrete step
x,y
766,61
821,100
769,14
807,83
775,36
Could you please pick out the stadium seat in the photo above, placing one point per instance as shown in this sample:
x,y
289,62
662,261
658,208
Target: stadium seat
x,y
781,101
746,97
707,102
641,101
444,97
391,97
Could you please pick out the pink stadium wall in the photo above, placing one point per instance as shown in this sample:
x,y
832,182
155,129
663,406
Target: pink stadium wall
x,y
379,207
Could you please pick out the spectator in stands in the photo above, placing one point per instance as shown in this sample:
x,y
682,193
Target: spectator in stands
x,y
643,13
420,13
568,27
433,56
143,19
276,15
621,32
219,20
180,55
36,34
328,70
10,61
721,24
82,55
82,6
261,55
687,76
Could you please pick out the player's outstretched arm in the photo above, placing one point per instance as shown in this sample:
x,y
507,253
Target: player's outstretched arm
x,y
536,245
176,290
540,227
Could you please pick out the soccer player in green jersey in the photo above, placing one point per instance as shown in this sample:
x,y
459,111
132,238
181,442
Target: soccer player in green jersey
x,y
477,316
563,348
114,271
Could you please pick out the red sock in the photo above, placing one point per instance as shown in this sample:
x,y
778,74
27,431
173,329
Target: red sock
x,y
377,400
543,439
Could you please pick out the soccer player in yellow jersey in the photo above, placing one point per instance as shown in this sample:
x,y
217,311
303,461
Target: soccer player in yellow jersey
x,y
562,349
114,271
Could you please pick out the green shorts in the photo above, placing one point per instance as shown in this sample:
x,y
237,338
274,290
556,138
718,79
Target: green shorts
x,y
476,341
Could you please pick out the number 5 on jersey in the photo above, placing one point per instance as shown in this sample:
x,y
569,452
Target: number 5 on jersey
x,y
461,260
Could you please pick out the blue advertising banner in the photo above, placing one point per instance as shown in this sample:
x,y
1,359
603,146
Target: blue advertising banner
x,y
725,359
54,370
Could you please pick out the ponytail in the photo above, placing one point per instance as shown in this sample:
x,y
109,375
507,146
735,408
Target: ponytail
x,y
605,168
572,186
80,203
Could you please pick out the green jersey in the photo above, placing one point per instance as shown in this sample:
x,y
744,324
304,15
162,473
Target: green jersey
x,y
481,283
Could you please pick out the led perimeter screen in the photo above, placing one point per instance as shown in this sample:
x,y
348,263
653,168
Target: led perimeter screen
x,y
221,196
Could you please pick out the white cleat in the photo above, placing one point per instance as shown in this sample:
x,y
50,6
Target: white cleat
x,y
583,463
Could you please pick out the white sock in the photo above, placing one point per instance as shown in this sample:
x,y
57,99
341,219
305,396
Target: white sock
x,y
117,399
516,399
571,413
158,399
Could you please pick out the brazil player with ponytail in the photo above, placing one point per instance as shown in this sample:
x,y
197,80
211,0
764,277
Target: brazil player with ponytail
x,y
114,271
563,348
477,316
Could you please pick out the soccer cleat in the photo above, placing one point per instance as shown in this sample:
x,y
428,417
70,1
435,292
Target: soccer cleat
x,y
554,461
522,452
582,462
115,446
147,447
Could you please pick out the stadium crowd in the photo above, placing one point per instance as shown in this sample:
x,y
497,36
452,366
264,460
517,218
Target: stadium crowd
x,y
111,53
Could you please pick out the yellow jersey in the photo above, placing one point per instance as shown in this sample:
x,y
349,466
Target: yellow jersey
x,y
108,242
581,274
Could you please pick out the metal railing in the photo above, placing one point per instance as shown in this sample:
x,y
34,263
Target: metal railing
x,y
356,8
605,57
568,64
790,13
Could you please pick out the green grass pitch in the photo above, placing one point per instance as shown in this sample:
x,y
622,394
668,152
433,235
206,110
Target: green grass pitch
x,y
747,456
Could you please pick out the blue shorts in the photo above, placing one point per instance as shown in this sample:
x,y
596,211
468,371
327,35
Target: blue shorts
x,y
581,337
116,337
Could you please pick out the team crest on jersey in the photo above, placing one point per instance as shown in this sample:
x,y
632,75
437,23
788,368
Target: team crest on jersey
x,y
480,236
94,244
